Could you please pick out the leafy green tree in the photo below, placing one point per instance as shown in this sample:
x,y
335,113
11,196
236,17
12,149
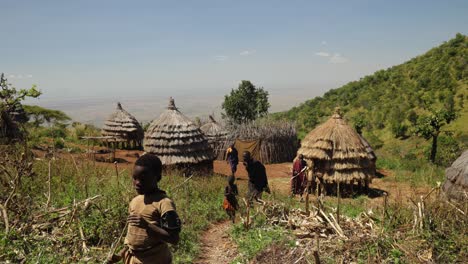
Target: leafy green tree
x,y
10,102
359,122
39,115
246,103
429,126
10,97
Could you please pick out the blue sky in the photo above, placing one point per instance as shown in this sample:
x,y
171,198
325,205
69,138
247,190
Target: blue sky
x,y
117,50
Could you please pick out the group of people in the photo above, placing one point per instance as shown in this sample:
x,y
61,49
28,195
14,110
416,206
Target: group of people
x,y
258,181
153,222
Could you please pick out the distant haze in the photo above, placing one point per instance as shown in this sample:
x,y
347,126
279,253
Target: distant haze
x,y
145,109
86,55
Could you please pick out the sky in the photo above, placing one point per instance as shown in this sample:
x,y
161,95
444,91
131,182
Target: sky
x,y
87,55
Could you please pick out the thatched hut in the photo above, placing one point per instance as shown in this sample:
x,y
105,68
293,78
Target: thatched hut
x,y
8,128
123,129
338,154
18,114
216,136
268,141
456,183
178,142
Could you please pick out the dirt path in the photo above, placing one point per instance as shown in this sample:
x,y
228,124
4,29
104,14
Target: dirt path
x,y
216,245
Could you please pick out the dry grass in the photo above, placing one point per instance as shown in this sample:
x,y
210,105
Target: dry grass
x,y
176,140
123,126
338,152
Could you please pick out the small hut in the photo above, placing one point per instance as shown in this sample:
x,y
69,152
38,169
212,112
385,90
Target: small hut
x,y
123,129
178,142
268,141
8,128
338,154
456,183
18,114
216,135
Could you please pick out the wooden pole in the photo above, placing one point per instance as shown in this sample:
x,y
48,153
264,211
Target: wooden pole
x,y
338,205
308,172
117,174
384,212
49,185
307,197
317,250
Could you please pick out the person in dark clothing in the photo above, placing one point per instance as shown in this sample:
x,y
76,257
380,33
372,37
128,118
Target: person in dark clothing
x,y
258,181
299,178
230,201
232,158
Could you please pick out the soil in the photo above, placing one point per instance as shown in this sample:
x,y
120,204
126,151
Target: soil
x,y
216,245
278,176
278,254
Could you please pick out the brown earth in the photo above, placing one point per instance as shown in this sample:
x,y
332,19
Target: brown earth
x,y
278,175
216,245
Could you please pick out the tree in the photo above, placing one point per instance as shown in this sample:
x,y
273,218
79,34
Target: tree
x,y
39,115
428,127
10,102
359,121
10,97
246,103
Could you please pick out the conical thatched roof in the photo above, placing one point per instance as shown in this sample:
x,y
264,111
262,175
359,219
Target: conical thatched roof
x,y
216,136
8,128
123,126
338,151
18,114
213,130
370,151
456,184
176,140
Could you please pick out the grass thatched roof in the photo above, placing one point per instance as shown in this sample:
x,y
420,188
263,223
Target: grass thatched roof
x,y
176,140
8,128
216,136
338,151
456,183
122,125
18,114
213,130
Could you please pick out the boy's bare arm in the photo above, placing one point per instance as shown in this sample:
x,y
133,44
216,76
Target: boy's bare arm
x,y
159,233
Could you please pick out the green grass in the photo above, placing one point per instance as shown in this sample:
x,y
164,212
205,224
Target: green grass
x,y
257,238
198,204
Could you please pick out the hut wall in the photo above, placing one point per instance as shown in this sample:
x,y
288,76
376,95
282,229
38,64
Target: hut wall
x,y
275,142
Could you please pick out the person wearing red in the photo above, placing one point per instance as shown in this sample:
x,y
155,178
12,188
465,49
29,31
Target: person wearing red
x,y
299,178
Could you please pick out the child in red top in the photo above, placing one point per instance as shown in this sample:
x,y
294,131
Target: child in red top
x,y
230,201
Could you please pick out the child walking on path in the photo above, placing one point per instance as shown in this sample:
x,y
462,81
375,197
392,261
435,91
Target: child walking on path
x,y
153,221
230,201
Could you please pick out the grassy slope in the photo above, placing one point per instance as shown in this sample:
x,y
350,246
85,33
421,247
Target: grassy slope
x,y
397,97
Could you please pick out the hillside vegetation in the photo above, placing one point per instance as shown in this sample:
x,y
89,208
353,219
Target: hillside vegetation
x,y
387,105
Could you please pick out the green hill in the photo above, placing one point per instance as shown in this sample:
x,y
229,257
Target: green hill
x,y
387,104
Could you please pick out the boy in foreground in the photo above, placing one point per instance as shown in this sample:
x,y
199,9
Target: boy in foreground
x,y
153,221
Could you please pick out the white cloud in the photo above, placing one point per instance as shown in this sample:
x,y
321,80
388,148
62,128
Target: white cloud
x,y
337,58
19,76
323,54
324,42
221,58
247,52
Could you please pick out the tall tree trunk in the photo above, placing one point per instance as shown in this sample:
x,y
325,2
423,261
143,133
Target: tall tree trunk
x,y
434,147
